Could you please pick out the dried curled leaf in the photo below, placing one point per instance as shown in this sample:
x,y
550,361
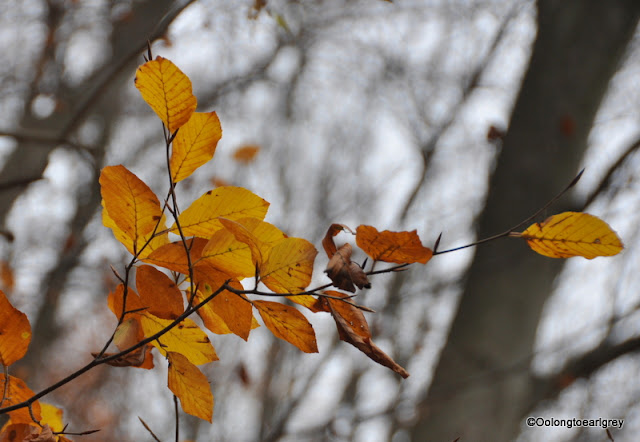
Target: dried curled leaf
x,y
571,234
15,332
345,273
353,328
397,247
167,90
327,242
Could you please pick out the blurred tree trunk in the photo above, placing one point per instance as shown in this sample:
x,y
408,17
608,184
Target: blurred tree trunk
x,y
481,388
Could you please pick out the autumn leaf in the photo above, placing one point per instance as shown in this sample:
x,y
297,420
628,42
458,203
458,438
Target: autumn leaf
x,y
167,90
241,246
195,144
189,385
16,392
185,338
201,218
289,266
572,234
287,323
397,247
15,332
246,154
127,334
173,256
327,242
131,209
353,328
158,293
52,416
345,273
232,309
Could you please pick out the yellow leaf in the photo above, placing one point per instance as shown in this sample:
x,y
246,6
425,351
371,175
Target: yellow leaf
x,y
52,416
398,247
573,234
17,392
131,210
240,245
189,385
201,218
195,144
289,266
167,90
158,293
287,323
15,332
185,338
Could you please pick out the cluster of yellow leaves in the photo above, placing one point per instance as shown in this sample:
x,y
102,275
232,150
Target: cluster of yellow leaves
x,y
224,239
15,336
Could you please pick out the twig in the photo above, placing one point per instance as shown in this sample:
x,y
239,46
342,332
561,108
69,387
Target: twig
x,y
520,224
149,429
175,406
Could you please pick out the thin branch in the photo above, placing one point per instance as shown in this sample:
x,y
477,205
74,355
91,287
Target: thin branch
x,y
149,429
606,180
176,410
515,228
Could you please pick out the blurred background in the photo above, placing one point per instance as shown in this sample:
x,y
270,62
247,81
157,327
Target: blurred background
x,y
461,117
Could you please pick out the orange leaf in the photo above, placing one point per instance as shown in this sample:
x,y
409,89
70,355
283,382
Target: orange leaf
x,y
167,90
287,323
15,332
130,209
398,247
353,328
195,144
289,266
210,319
201,218
17,392
173,256
232,309
573,234
158,293
344,273
246,154
188,383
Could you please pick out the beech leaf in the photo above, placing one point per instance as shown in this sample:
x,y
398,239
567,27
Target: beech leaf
x,y
287,323
571,234
201,218
158,293
130,209
15,332
195,144
289,266
189,385
396,247
246,154
16,392
167,90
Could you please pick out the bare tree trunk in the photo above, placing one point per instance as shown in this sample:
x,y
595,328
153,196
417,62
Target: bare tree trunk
x,y
481,388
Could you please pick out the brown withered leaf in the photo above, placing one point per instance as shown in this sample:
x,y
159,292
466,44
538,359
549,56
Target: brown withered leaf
x,y
345,273
353,328
327,242
141,358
